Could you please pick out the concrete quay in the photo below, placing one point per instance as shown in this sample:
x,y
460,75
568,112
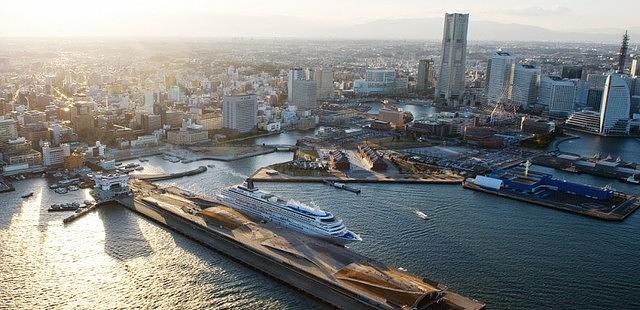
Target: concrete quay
x,y
168,176
268,175
615,213
331,273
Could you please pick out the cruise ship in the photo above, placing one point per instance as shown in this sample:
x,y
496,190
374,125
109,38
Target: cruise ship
x,y
287,213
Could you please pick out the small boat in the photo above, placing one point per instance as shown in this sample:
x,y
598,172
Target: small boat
x,y
73,188
143,160
64,207
138,168
632,179
27,195
61,190
421,215
211,166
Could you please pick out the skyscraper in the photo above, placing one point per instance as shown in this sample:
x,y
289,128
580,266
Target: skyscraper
x,y
500,69
426,75
635,67
526,80
572,72
305,96
294,74
454,55
557,95
239,112
616,102
324,81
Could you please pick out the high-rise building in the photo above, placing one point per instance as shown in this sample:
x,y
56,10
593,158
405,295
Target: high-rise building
x,y
239,112
454,55
8,130
426,75
573,72
305,95
557,95
324,81
151,98
526,81
635,67
499,70
616,102
294,74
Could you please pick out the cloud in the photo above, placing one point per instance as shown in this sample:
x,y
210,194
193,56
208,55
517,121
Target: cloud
x,y
539,11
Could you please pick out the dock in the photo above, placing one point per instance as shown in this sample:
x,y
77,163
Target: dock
x,y
614,213
606,168
85,211
168,176
264,175
331,273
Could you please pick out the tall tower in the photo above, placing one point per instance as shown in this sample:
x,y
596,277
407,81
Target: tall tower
x,y
454,56
622,58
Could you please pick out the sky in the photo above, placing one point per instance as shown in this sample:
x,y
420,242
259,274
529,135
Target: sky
x,y
221,18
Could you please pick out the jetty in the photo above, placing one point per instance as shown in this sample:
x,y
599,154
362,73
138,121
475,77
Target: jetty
x,y
168,176
333,274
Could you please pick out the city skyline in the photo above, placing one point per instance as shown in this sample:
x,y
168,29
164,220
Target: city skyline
x,y
286,18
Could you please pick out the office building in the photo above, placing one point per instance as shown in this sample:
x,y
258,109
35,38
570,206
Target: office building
x,y
239,112
8,130
526,81
426,75
573,72
586,121
499,75
305,95
294,75
324,81
635,67
380,82
454,55
54,155
616,102
557,95
151,99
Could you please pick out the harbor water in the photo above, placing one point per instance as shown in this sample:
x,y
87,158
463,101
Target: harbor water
x,y
509,254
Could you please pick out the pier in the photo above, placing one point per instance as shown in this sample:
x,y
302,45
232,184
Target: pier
x,y
85,211
267,175
168,176
331,273
617,209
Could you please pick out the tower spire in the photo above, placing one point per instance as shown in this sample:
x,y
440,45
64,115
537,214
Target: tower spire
x,y
622,58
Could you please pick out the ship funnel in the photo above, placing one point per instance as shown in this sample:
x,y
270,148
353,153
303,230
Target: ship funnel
x,y
249,184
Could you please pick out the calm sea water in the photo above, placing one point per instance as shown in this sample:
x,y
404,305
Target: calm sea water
x,y
508,254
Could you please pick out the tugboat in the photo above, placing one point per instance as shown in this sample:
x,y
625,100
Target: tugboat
x,y
27,195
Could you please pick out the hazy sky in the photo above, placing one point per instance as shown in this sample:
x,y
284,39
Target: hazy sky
x,y
217,18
